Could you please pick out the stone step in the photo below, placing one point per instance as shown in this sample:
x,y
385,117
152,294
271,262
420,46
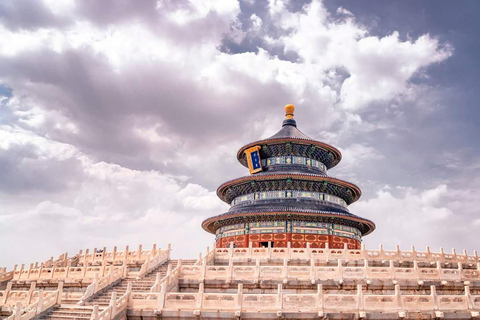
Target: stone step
x,y
69,317
80,313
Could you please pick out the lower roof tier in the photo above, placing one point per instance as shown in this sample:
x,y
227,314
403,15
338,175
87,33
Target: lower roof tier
x,y
288,181
288,213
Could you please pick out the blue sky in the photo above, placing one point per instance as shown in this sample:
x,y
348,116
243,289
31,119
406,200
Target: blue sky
x,y
119,121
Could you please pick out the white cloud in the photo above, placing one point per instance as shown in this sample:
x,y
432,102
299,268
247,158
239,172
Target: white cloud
x,y
119,128
408,216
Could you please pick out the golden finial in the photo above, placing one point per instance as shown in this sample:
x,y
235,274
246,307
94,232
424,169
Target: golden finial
x,y
289,109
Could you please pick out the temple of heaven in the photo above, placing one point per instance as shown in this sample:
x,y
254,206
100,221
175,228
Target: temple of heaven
x,y
288,196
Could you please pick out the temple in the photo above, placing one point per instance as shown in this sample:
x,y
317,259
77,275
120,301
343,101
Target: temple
x,y
289,197
288,248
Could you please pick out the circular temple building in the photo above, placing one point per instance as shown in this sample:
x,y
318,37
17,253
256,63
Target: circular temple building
x,y
288,196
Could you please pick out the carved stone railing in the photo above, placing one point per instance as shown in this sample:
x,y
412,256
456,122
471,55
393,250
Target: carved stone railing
x,y
169,281
319,301
7,276
101,283
327,254
208,258
79,267
45,301
337,272
115,307
152,262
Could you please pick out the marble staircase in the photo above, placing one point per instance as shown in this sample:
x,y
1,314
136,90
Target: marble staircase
x,y
69,310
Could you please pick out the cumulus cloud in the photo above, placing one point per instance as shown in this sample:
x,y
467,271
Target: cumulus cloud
x,y
411,217
125,117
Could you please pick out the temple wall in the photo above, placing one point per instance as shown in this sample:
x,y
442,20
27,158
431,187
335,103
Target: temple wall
x,y
281,240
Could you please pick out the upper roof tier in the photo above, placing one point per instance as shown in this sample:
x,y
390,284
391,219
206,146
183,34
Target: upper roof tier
x,y
291,141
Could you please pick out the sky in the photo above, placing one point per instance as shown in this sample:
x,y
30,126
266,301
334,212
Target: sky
x,y
119,119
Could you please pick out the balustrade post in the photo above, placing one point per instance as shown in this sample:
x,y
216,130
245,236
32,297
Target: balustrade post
x,y
169,250
382,253
110,275
22,266
85,257
475,254
154,250
139,252
398,297
94,254
104,253
269,251
53,271
95,312
29,270
39,302
203,272
442,254
279,297
397,249
360,302
440,269
433,293
169,273
345,249
102,269
85,269
285,271
366,269
469,298
59,292
230,250
454,253
14,269
230,270
124,262
340,270
40,271
460,269
200,258
113,304
391,269
162,296
18,311
95,282
327,252
257,270
240,296
320,301
179,264
362,251
158,278
30,293
416,270
250,249
309,251
289,249
312,271
7,292
201,291
114,253
69,264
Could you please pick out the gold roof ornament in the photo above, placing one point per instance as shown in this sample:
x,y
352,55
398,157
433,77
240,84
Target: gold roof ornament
x,y
289,110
